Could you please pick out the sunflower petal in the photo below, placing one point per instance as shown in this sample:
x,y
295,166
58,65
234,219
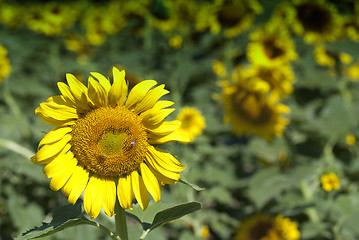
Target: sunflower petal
x,y
58,164
174,136
50,120
46,160
60,113
165,172
165,127
161,178
52,149
154,117
165,159
67,93
97,93
93,197
138,92
103,81
151,182
63,174
151,98
54,135
118,92
139,190
109,191
76,184
125,192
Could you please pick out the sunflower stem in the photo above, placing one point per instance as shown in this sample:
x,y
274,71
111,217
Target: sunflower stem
x,y
120,221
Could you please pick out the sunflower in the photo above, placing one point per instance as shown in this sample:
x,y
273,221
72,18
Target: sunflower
x,y
10,14
234,16
192,122
317,21
352,72
4,64
330,181
280,79
250,110
103,142
264,227
270,46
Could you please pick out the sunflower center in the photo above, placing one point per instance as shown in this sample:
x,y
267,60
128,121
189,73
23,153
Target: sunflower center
x,y
260,229
271,50
250,107
314,17
109,141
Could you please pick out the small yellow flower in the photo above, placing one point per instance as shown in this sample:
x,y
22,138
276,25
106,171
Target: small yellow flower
x,y
353,72
205,233
350,139
175,41
192,122
345,58
322,56
330,181
218,68
4,64
264,227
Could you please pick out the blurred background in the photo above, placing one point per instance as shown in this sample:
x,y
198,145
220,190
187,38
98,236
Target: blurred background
x,y
267,90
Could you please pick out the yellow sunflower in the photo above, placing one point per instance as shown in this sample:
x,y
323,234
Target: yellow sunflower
x,y
317,21
250,110
280,79
352,72
4,64
192,122
234,16
103,142
271,46
330,181
264,227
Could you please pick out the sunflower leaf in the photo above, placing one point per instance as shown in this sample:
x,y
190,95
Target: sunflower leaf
x,y
63,217
192,185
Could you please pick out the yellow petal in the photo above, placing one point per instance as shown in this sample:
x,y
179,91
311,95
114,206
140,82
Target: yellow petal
x,y
60,113
151,182
109,191
58,164
93,197
168,174
174,136
62,101
103,81
46,160
154,117
165,159
161,178
125,193
150,99
52,149
54,135
61,177
138,92
139,190
67,93
118,91
76,184
165,127
50,120
97,93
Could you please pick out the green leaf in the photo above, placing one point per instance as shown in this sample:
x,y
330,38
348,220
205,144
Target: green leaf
x,y
63,217
194,186
174,213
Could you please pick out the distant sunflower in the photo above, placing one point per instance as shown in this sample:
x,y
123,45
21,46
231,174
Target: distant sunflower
x,y
330,181
251,111
4,64
270,46
234,16
280,79
103,142
317,21
351,27
264,227
352,72
323,57
192,122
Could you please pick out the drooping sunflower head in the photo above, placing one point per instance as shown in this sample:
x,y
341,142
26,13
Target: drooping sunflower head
x,y
317,21
250,110
264,227
271,46
192,122
103,142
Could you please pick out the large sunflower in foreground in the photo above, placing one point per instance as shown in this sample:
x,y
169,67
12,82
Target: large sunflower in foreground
x,y
265,227
103,142
250,110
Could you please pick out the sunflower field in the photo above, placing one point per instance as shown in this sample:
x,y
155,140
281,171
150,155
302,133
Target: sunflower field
x,y
179,119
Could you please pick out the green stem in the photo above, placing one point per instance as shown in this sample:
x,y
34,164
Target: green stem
x,y
120,221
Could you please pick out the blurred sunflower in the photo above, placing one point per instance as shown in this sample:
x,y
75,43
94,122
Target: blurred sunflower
x,y
270,46
250,110
51,18
4,64
264,227
192,122
234,16
352,72
330,181
10,14
175,41
219,68
350,139
282,16
351,27
317,21
279,79
103,142
323,57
